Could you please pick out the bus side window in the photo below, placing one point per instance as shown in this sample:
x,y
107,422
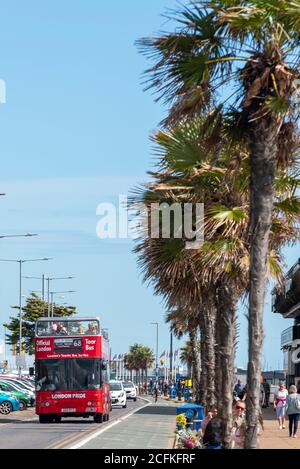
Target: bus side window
x,y
104,372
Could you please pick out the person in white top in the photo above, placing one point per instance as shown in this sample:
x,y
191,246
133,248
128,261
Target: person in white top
x,y
280,404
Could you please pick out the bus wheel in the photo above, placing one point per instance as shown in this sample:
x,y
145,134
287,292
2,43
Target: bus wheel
x,y
57,419
98,418
44,419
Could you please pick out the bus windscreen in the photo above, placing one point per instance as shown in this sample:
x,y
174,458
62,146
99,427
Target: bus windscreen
x,y
68,374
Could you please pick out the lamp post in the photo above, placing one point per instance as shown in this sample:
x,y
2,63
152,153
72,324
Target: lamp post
x,y
52,293
156,366
171,354
48,279
27,235
21,262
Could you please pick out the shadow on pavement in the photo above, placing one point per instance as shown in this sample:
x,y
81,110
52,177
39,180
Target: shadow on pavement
x,y
159,410
269,414
9,420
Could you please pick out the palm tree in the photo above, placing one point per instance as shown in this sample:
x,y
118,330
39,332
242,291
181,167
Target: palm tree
x,y
220,267
184,321
249,52
187,354
139,358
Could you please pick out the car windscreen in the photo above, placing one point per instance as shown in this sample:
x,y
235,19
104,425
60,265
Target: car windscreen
x,y
76,374
128,385
20,385
12,387
115,387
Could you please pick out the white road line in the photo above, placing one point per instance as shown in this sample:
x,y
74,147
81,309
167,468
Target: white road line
x,y
99,432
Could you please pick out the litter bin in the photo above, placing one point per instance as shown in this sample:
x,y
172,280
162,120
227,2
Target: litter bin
x,y
193,414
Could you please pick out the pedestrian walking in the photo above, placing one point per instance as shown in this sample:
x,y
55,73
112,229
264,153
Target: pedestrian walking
x,y
280,405
293,410
238,390
155,391
267,389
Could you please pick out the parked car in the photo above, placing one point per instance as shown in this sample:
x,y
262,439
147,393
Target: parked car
x,y
24,397
130,390
8,403
117,394
21,384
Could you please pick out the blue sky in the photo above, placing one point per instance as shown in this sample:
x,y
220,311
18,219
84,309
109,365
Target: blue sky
x,y
74,133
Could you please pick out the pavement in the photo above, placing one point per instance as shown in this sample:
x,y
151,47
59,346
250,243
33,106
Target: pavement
x,y
272,437
150,427
22,430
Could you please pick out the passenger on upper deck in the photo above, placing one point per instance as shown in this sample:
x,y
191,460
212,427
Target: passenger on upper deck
x,y
58,329
92,329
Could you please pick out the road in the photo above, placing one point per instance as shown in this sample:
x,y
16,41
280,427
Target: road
x,y
22,430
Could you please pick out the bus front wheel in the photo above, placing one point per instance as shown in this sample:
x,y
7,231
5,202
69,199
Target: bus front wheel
x,y
45,419
98,418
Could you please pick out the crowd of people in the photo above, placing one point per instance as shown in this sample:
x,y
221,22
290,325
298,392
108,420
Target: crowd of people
x,y
285,403
211,427
165,388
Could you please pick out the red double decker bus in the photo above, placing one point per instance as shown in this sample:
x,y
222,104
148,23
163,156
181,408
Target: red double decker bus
x,y
71,369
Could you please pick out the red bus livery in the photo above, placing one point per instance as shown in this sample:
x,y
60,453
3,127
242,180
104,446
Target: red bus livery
x,y
72,369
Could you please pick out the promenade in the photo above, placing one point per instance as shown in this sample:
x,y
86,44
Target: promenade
x,y
151,427
272,437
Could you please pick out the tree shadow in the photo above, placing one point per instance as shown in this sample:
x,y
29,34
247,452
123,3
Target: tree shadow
x,y
157,410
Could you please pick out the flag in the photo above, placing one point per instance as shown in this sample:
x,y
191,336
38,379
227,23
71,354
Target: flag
x,y
163,354
176,353
115,357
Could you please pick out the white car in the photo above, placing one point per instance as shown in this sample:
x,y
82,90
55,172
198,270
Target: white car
x,y
117,394
130,390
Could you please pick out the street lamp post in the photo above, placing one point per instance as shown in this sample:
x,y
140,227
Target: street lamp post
x,y
27,235
171,354
49,279
52,293
156,366
21,262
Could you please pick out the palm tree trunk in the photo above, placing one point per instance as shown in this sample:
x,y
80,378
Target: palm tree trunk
x,y
195,362
210,319
227,341
263,151
201,392
218,363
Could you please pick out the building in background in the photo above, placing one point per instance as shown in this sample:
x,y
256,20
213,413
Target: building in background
x,y
286,301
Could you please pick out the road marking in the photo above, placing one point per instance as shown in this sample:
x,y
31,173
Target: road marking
x,y
99,432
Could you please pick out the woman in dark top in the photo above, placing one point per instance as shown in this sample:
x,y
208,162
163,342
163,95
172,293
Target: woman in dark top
x,y
212,435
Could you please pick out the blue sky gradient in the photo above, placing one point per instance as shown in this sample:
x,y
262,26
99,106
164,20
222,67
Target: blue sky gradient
x,y
75,133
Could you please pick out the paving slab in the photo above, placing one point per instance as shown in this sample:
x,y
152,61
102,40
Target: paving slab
x,y
274,438
151,427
